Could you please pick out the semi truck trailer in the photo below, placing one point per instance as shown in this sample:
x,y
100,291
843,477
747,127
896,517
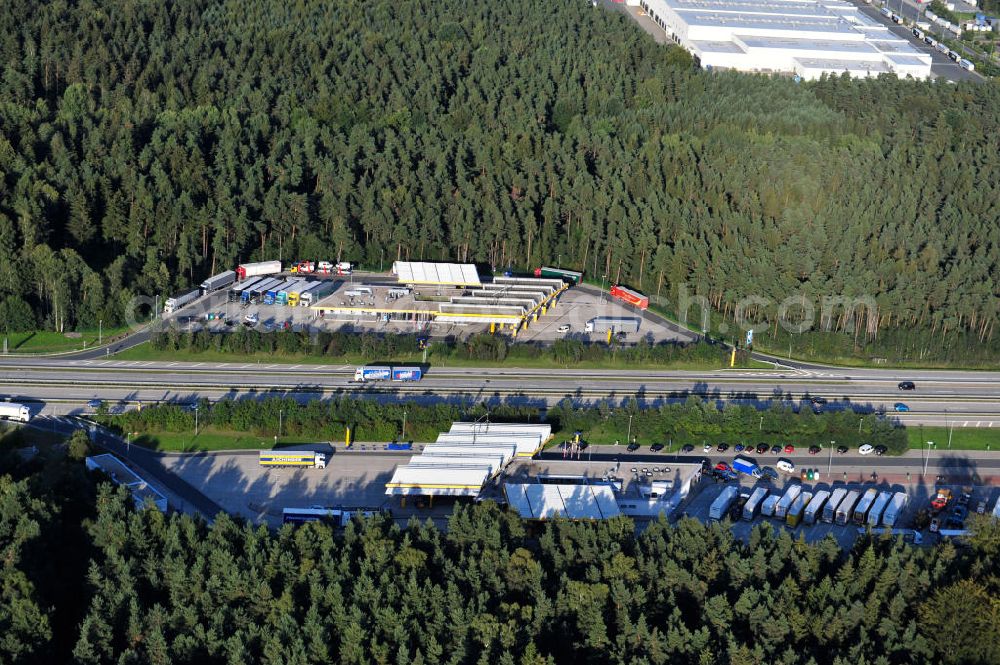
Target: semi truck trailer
x,y
14,411
722,502
798,508
387,373
237,289
571,276
300,458
314,294
174,303
781,508
815,507
875,514
894,509
602,324
864,505
846,508
630,296
245,270
753,504
830,509
217,282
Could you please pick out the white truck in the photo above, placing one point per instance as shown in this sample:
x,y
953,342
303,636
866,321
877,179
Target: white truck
x,y
174,303
300,458
14,411
768,504
752,506
815,507
894,509
875,514
781,509
722,502
846,508
830,509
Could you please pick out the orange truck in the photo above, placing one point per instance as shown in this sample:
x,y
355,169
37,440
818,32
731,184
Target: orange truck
x,y
941,499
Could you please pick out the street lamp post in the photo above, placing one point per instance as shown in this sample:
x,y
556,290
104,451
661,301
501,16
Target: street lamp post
x,y
829,467
404,424
281,412
859,424
100,331
760,427
927,450
196,420
603,278
381,259
628,437
948,425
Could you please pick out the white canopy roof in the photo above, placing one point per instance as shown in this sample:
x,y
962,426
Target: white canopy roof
x,y
446,274
537,501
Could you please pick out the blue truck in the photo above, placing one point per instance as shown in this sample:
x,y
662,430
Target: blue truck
x,y
386,373
744,465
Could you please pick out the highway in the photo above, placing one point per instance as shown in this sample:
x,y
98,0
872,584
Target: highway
x,y
63,386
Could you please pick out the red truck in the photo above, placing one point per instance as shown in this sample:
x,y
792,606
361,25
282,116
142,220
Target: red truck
x,y
629,296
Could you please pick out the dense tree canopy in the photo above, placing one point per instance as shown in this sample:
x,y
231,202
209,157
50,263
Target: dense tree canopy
x,y
145,145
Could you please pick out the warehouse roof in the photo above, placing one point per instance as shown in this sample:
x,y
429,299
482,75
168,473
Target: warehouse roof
x,y
804,44
575,502
831,65
418,272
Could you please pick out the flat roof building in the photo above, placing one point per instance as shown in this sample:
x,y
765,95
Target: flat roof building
x,y
806,38
120,474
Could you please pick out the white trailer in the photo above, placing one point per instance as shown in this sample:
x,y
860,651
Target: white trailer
x,y
798,508
894,509
174,303
875,514
245,270
815,507
752,505
846,507
216,282
14,411
722,502
768,504
781,509
864,505
830,509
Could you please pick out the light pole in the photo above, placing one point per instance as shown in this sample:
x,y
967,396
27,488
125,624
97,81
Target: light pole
x,y
100,331
404,424
603,278
859,424
381,259
628,437
948,425
829,466
196,420
760,427
927,450
281,412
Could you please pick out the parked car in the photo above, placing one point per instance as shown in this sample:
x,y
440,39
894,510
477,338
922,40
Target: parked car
x,y
722,447
842,450
564,328
95,403
688,448
738,447
899,407
789,449
785,465
656,447
866,449
907,385
722,466
981,508
632,447
775,450
762,448
935,524
707,448
769,472
881,450
814,450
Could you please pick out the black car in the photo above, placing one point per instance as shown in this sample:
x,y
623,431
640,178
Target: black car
x,y
813,450
762,448
656,447
632,447
687,449
722,447
881,450
775,450
907,385
842,450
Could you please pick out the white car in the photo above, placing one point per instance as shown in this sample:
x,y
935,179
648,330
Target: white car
x,y
785,465
707,448
564,328
866,449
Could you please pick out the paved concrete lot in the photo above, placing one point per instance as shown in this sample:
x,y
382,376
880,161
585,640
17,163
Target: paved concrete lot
x,y
574,308
238,483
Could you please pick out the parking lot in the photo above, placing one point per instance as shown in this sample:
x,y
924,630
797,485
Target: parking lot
x,y
414,314
699,502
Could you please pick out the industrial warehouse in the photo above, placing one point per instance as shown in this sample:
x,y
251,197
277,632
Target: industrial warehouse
x,y
798,37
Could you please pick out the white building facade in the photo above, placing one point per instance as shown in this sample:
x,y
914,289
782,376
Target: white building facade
x,y
803,37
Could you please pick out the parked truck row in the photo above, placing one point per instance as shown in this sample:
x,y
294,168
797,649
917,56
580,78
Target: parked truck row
x,y
294,292
796,505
